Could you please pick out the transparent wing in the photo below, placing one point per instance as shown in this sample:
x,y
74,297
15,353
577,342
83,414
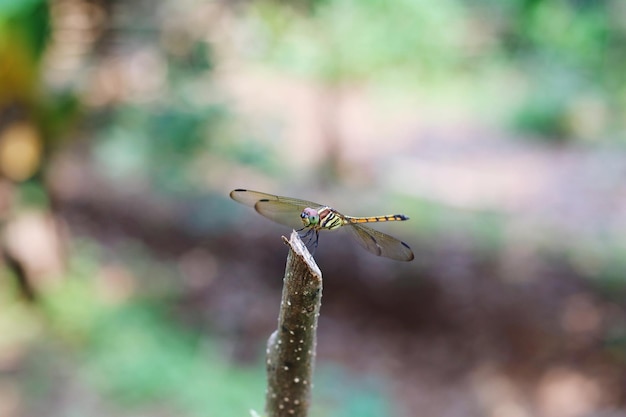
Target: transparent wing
x,y
379,243
283,210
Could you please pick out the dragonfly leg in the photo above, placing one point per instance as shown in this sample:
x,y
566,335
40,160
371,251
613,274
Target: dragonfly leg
x,y
306,236
311,236
317,238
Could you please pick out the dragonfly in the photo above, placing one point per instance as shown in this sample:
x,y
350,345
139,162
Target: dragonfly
x,y
313,217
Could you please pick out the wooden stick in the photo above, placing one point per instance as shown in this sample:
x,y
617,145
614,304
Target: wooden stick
x,y
291,348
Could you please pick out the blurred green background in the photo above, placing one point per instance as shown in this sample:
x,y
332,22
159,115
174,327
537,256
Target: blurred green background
x,y
131,285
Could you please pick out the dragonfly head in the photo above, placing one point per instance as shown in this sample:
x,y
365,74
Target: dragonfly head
x,y
310,217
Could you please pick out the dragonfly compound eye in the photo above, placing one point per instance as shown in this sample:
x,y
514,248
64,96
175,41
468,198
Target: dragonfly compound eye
x,y
309,216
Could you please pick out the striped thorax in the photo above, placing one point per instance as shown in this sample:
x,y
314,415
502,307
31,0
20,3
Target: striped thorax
x,y
322,218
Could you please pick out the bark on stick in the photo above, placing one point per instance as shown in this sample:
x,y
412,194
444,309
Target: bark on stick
x,y
291,348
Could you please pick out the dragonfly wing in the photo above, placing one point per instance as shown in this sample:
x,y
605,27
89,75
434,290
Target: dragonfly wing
x,y
379,243
280,212
250,198
283,210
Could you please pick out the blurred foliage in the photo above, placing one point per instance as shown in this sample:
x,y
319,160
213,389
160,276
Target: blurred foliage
x,y
568,50
181,127
20,151
157,143
346,40
561,51
24,32
339,395
32,119
561,60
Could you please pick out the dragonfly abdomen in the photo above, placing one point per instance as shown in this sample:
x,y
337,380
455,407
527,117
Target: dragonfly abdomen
x,y
374,219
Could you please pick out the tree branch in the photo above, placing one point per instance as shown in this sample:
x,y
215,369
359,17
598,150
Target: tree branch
x,y
291,348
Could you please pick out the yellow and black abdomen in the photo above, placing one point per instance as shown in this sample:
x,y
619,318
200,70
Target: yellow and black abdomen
x,y
375,219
